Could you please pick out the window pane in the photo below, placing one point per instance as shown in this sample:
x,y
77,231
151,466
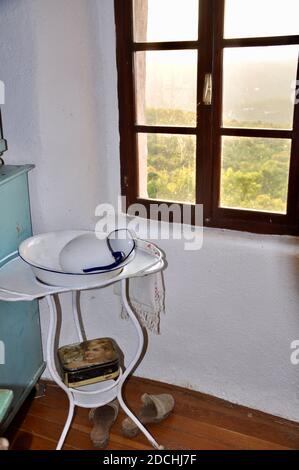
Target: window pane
x,y
258,86
166,87
260,18
165,20
167,167
255,173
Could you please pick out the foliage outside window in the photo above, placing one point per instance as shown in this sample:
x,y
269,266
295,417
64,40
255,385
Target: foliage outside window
x,y
239,154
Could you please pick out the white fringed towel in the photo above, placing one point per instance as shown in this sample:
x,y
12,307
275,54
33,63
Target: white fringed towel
x,y
147,297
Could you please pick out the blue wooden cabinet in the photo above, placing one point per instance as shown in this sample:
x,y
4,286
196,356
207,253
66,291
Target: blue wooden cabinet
x,y
19,321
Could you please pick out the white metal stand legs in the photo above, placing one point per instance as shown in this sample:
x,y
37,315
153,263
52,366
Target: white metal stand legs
x,y
132,365
67,423
104,392
51,355
18,283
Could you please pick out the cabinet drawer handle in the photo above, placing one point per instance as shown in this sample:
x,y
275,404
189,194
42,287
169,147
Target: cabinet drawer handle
x,y
207,90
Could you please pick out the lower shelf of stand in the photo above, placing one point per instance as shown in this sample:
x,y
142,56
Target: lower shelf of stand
x,y
95,395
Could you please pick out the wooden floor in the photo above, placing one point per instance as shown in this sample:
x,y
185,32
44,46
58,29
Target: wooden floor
x,y
198,422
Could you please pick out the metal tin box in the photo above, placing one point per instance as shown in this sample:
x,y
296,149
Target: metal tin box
x,y
89,362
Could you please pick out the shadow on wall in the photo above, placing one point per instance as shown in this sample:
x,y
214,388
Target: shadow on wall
x,y
55,115
101,28
18,58
294,286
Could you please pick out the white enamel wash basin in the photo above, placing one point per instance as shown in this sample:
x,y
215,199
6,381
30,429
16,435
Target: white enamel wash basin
x,y
49,254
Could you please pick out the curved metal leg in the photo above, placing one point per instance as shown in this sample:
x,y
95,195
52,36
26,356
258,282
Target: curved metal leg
x,y
67,423
75,296
131,367
52,367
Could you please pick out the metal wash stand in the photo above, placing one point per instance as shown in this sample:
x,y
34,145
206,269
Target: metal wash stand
x,y
18,283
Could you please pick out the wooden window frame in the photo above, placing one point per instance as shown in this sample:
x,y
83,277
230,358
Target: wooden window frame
x,y
208,130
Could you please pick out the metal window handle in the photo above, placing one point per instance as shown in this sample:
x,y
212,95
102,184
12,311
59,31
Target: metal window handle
x,y
207,90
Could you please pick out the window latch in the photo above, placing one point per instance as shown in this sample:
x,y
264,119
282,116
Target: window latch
x,y
207,90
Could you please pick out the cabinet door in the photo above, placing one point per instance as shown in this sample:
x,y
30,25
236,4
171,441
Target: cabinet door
x,y
20,334
19,321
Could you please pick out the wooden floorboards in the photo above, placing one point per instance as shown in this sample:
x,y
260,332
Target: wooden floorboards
x,y
199,422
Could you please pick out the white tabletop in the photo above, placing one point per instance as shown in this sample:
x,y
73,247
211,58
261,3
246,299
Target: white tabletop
x,y
17,280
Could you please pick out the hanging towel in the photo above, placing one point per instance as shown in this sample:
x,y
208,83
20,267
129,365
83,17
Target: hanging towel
x,y
146,296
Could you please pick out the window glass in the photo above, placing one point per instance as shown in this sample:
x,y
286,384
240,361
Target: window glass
x,y
166,86
255,173
260,18
167,167
165,20
259,86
